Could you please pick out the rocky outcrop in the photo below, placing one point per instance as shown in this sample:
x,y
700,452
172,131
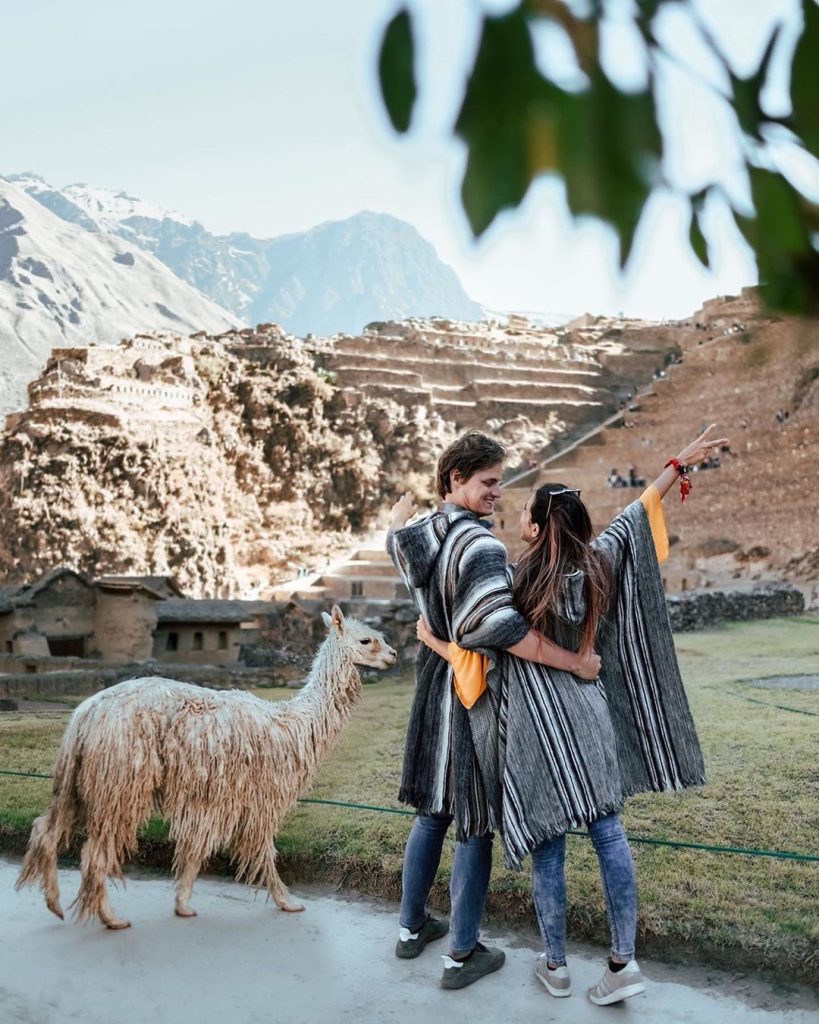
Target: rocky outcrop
x,y
185,457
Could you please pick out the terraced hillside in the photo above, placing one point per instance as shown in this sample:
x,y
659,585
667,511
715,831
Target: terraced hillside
x,y
756,515
479,374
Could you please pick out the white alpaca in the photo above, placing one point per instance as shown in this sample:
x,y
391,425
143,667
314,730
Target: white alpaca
x,y
223,768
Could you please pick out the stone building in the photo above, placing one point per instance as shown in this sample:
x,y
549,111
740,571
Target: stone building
x,y
199,632
117,620
64,614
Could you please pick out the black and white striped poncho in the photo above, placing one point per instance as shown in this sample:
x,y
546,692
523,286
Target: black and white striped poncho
x,y
456,572
556,753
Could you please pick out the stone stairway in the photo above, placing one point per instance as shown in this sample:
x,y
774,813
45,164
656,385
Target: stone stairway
x,y
367,573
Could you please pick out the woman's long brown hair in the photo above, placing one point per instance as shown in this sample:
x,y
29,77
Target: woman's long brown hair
x,y
563,545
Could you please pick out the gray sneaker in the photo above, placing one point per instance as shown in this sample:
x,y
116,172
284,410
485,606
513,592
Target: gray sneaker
x,y
556,981
411,945
615,986
483,960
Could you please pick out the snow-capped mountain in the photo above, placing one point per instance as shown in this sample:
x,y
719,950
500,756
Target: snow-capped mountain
x,y
61,283
336,277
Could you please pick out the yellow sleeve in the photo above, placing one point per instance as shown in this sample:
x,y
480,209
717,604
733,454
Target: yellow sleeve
x,y
469,670
653,504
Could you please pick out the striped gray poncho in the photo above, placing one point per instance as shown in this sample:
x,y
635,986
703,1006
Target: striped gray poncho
x,y
556,753
456,572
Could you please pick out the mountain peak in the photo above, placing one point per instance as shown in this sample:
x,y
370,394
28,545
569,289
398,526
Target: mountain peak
x,y
333,278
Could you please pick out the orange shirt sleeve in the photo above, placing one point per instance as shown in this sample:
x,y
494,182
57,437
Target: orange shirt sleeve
x,y
653,504
469,670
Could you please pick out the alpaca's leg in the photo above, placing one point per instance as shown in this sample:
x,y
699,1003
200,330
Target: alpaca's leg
x,y
51,886
275,886
185,877
96,864
41,861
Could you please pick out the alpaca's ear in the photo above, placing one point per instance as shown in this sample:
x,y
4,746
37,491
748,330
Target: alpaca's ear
x,y
338,618
325,618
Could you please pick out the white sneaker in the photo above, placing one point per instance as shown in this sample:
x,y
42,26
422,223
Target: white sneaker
x,y
556,980
615,986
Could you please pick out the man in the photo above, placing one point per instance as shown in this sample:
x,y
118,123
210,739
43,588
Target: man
x,y
456,572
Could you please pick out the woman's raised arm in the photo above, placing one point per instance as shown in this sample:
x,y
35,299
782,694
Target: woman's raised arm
x,y
693,453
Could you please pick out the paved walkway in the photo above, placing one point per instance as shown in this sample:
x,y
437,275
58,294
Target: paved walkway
x,y
244,962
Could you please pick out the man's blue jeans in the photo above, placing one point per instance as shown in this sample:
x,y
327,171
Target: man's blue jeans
x,y
619,887
471,868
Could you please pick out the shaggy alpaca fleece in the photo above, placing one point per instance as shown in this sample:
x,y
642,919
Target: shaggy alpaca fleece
x,y
223,768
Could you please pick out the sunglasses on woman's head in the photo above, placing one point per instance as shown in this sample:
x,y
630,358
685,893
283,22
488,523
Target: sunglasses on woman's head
x,y
563,490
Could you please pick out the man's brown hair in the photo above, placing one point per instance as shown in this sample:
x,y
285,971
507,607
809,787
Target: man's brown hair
x,y
469,454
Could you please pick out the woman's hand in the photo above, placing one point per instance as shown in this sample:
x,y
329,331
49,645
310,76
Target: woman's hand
x,y
402,510
691,455
588,666
701,448
423,632
435,643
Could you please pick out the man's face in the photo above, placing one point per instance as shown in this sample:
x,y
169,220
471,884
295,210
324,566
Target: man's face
x,y
479,492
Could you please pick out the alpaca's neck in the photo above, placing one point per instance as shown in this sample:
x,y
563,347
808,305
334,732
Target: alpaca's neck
x,y
332,690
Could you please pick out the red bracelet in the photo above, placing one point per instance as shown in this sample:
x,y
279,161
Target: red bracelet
x,y
685,482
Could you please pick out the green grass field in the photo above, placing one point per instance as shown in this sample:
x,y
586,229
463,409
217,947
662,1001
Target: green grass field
x,y
762,793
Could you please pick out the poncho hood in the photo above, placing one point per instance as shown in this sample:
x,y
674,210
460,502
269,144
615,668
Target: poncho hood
x,y
419,545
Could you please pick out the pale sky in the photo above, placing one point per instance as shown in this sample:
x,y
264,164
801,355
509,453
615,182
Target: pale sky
x,y
264,116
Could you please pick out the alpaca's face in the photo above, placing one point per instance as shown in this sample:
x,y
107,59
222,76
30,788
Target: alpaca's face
x,y
364,645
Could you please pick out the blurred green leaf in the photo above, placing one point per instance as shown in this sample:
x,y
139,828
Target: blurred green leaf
x,y
507,121
780,235
609,146
747,91
697,238
526,125
397,72
606,144
805,79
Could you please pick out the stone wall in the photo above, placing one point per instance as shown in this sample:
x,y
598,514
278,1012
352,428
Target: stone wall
x,y
198,643
701,609
83,682
291,632
123,626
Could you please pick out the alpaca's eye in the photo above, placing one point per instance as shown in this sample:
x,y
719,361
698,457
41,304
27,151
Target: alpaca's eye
x,y
367,641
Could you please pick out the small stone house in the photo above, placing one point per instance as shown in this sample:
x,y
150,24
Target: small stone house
x,y
66,615
205,632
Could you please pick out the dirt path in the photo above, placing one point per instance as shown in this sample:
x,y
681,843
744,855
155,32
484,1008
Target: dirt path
x,y
244,962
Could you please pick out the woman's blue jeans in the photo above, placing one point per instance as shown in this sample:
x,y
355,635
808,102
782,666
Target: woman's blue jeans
x,y
471,868
619,887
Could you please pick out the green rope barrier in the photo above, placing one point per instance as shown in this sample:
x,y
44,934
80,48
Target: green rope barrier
x,y
27,775
768,704
645,840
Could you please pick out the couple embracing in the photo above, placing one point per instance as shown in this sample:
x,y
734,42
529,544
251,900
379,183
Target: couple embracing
x,y
519,726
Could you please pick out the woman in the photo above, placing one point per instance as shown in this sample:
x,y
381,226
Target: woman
x,y
557,753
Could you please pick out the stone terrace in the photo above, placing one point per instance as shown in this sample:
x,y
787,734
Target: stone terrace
x,y
472,374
